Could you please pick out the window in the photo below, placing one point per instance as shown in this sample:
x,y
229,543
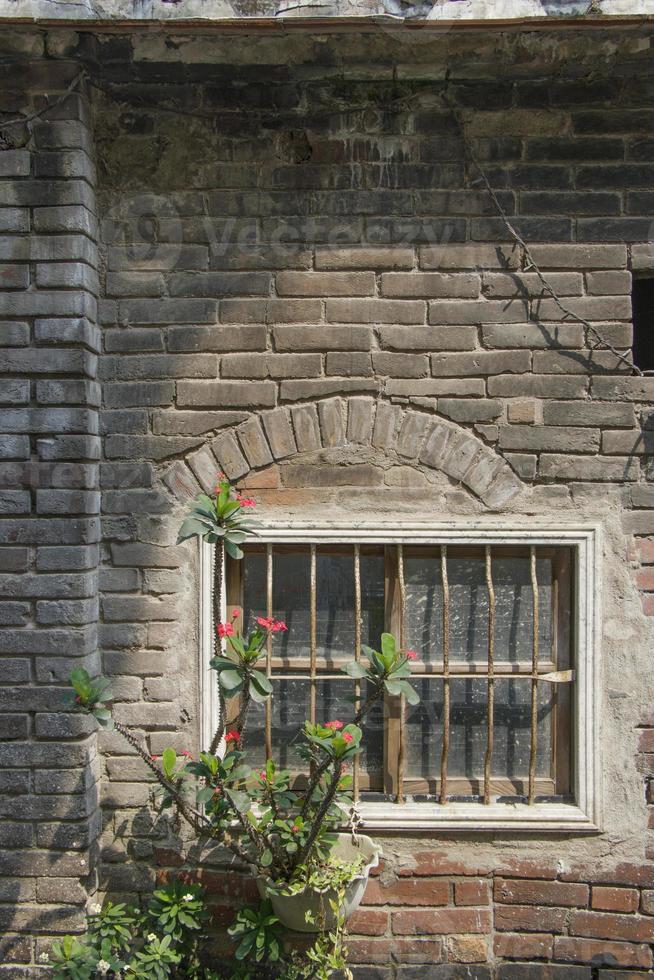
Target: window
x,y
495,622
642,300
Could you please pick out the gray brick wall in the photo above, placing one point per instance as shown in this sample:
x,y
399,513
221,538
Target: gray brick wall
x,y
299,282
49,506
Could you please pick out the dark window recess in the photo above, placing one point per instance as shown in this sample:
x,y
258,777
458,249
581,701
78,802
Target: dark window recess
x,y
643,316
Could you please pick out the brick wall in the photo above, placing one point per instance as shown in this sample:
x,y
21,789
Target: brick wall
x,y
301,283
49,501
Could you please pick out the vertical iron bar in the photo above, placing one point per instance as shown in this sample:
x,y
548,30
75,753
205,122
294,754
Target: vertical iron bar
x,y
312,637
491,677
534,681
401,756
357,657
446,674
269,612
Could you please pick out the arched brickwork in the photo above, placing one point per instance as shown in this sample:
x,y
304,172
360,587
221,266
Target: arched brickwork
x,y
407,435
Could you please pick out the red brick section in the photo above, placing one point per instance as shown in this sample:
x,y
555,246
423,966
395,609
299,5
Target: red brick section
x,y
434,910
511,913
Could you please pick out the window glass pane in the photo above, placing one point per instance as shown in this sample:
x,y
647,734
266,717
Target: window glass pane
x,y
468,729
334,600
469,608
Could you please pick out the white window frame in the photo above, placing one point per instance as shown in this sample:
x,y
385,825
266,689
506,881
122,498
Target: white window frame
x,y
584,815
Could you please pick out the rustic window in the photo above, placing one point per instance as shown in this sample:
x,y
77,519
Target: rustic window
x,y
493,624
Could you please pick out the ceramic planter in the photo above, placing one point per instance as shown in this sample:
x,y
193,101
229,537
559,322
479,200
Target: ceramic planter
x,y
291,909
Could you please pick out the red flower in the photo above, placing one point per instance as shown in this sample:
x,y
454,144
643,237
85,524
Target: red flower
x,y
271,624
186,754
412,655
336,724
236,614
295,829
263,777
233,736
347,737
153,758
247,502
224,629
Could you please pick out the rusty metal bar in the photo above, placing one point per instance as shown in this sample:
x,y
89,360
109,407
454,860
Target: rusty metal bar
x,y
312,637
357,657
446,674
491,678
534,680
401,755
269,645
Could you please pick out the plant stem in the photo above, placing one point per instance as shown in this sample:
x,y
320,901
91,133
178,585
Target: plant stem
x,y
193,817
328,799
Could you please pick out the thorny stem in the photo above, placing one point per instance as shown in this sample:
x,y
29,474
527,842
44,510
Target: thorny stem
x,y
194,818
245,707
367,705
327,801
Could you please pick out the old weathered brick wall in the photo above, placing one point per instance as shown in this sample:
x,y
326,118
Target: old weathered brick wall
x,y
302,282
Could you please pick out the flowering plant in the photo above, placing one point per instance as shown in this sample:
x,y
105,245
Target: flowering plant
x,y
282,827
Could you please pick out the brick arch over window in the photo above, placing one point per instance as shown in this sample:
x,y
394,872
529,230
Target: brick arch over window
x,y
405,435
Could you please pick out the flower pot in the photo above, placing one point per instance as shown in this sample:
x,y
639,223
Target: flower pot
x,y
291,909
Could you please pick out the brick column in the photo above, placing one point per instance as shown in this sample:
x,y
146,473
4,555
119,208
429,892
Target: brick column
x,y
49,508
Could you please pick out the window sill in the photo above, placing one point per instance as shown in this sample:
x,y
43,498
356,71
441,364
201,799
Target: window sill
x,y
552,818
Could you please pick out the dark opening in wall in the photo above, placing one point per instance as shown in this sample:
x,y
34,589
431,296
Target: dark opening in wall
x,y
642,299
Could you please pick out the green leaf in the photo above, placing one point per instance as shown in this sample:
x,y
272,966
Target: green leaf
x,y
205,794
168,761
410,693
388,645
266,858
231,681
80,678
354,669
240,800
191,528
261,683
232,549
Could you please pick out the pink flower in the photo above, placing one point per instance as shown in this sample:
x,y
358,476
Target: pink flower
x,y
263,777
224,629
186,754
347,737
412,655
235,614
233,736
247,502
295,829
279,627
336,724
153,758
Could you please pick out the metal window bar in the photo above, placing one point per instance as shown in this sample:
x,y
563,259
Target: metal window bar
x,y
446,674
401,756
491,678
534,681
357,656
269,645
